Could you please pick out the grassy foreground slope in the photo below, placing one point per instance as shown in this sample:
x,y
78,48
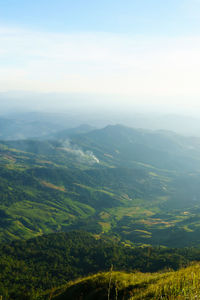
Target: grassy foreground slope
x,y
182,284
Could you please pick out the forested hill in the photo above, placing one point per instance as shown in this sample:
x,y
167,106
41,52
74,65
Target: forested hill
x,y
132,147
32,268
140,186
120,145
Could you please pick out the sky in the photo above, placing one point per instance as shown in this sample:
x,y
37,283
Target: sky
x,y
129,52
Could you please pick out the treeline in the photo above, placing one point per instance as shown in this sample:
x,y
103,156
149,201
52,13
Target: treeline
x,y
28,268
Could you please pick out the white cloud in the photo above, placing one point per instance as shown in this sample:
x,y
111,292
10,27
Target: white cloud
x,y
100,63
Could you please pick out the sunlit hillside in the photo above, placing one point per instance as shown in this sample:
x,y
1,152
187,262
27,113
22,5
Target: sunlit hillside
x,y
182,284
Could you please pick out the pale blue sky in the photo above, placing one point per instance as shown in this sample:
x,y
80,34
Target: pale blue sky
x,y
146,51
153,17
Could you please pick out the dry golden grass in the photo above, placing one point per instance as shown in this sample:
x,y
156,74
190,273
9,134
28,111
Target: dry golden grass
x,y
182,284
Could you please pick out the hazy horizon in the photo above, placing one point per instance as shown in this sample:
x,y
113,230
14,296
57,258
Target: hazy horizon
x,y
65,102
61,110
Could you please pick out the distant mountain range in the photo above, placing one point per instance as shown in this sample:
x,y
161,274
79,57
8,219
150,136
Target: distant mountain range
x,y
139,185
45,125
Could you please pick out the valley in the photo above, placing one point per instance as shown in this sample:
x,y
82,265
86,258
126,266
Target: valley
x,y
134,192
45,188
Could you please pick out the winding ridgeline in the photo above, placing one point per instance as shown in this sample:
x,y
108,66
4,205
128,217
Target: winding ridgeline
x,y
134,192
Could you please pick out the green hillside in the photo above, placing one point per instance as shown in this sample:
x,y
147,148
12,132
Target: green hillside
x,y
182,284
32,268
40,196
102,182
